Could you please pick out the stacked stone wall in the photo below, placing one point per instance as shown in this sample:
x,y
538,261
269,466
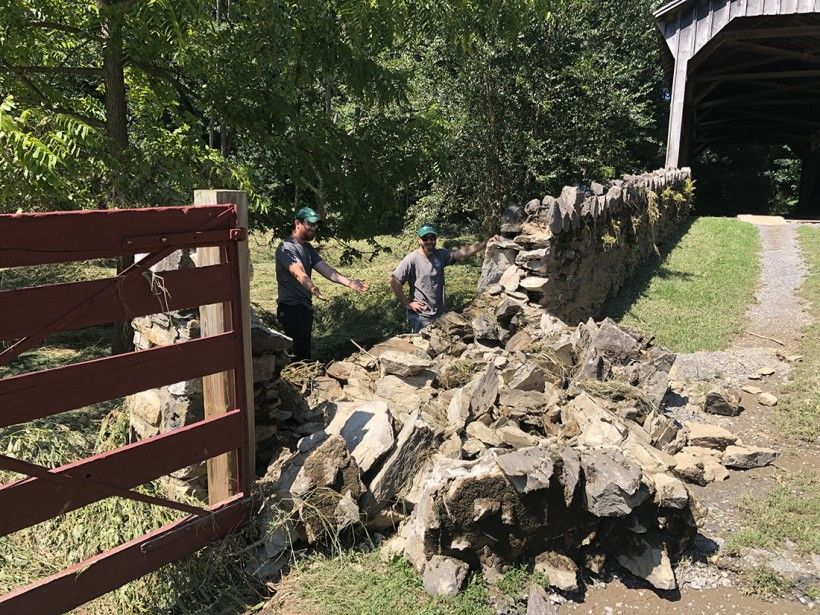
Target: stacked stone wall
x,y
571,253
160,410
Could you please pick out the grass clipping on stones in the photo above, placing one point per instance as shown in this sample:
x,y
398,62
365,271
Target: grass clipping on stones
x,y
301,374
618,391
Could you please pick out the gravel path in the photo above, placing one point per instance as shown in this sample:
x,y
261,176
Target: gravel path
x,y
777,311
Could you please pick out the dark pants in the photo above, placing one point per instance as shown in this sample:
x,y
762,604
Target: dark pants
x,y
297,321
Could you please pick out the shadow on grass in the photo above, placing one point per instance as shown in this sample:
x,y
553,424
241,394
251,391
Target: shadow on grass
x,y
632,290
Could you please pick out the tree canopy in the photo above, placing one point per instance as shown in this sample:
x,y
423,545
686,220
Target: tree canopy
x,y
374,112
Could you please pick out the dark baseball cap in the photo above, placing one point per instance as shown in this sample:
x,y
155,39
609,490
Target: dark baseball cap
x,y
427,229
307,214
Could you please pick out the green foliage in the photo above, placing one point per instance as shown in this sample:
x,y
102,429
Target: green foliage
x,y
574,96
798,412
694,296
365,110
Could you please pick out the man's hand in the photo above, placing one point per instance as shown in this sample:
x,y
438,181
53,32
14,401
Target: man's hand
x,y
317,293
416,306
493,240
359,286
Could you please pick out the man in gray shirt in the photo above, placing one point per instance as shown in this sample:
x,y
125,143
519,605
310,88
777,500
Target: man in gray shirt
x,y
423,270
295,261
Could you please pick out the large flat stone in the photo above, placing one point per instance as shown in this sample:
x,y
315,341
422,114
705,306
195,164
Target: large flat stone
x,y
710,436
746,457
413,445
404,363
366,428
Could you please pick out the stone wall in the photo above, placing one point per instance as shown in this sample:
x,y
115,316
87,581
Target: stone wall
x,y
160,410
572,253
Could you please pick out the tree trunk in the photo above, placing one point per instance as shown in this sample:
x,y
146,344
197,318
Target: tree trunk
x,y
116,127
116,107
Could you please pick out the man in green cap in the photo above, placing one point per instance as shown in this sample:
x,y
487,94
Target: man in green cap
x,y
295,260
423,270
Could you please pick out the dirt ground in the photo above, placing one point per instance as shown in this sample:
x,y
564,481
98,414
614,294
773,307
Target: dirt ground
x,y
710,583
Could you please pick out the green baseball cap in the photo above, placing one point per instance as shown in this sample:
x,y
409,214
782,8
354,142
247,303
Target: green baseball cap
x,y
427,229
306,213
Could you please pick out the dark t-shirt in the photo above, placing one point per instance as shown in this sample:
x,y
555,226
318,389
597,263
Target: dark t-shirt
x,y
289,252
426,278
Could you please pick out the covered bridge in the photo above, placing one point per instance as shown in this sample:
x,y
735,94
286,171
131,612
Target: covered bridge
x,y
745,71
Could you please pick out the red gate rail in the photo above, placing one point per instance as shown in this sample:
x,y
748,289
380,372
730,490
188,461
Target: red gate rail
x,y
29,315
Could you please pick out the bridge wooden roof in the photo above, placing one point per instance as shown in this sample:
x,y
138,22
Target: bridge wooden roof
x,y
742,71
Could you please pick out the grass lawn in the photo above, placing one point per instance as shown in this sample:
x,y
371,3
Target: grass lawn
x,y
369,317
799,407
694,296
363,584
791,512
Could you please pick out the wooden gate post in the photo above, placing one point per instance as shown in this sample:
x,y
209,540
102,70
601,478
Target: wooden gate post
x,y
218,389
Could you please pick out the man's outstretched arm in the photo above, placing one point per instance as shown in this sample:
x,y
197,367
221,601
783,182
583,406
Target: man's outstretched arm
x,y
334,276
466,252
298,271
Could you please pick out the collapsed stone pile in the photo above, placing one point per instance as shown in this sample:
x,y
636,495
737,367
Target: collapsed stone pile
x,y
497,437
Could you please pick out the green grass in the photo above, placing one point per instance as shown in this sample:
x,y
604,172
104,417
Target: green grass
x,y
791,512
799,408
765,582
355,584
694,296
366,318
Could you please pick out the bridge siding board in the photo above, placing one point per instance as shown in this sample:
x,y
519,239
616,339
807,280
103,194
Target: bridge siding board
x,y
738,8
722,16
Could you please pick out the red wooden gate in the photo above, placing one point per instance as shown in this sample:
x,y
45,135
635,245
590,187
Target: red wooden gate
x,y
29,315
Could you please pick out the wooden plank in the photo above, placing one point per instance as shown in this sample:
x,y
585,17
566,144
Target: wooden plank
x,y
765,76
788,6
754,7
220,390
31,500
738,9
771,7
703,25
778,52
100,574
722,16
25,311
32,396
784,32
83,235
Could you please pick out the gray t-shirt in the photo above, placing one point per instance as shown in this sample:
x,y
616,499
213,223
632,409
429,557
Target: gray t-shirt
x,y
291,251
426,278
